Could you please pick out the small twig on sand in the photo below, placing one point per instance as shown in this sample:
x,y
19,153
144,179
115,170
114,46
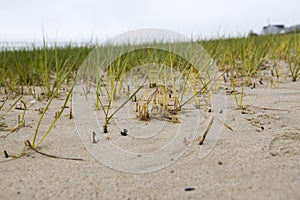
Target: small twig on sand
x,y
225,124
202,138
14,156
94,137
6,154
71,106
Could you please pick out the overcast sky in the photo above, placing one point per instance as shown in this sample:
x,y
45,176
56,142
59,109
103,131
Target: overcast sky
x,y
81,20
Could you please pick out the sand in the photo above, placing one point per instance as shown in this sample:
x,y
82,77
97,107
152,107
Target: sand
x,y
259,159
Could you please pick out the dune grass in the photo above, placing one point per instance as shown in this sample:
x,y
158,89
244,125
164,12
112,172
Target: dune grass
x,y
22,69
246,58
241,62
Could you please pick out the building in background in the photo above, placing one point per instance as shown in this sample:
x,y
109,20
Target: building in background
x,y
295,28
279,29
273,29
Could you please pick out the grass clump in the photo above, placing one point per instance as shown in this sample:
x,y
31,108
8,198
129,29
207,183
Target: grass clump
x,y
250,61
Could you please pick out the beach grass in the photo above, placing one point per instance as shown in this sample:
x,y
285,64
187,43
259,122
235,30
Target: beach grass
x,y
241,62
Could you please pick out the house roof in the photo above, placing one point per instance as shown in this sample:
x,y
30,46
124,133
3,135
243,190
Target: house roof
x,y
280,26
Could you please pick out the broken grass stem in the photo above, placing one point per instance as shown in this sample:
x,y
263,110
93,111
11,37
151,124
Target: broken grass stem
x,y
202,138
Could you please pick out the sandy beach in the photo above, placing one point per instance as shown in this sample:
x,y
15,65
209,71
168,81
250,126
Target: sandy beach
x,y
259,159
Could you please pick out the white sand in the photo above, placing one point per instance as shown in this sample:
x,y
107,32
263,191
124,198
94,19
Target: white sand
x,y
247,163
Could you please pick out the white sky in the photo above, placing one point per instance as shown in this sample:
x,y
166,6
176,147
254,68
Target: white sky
x,y
82,20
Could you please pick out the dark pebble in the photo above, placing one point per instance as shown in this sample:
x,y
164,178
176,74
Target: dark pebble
x,y
220,163
189,189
